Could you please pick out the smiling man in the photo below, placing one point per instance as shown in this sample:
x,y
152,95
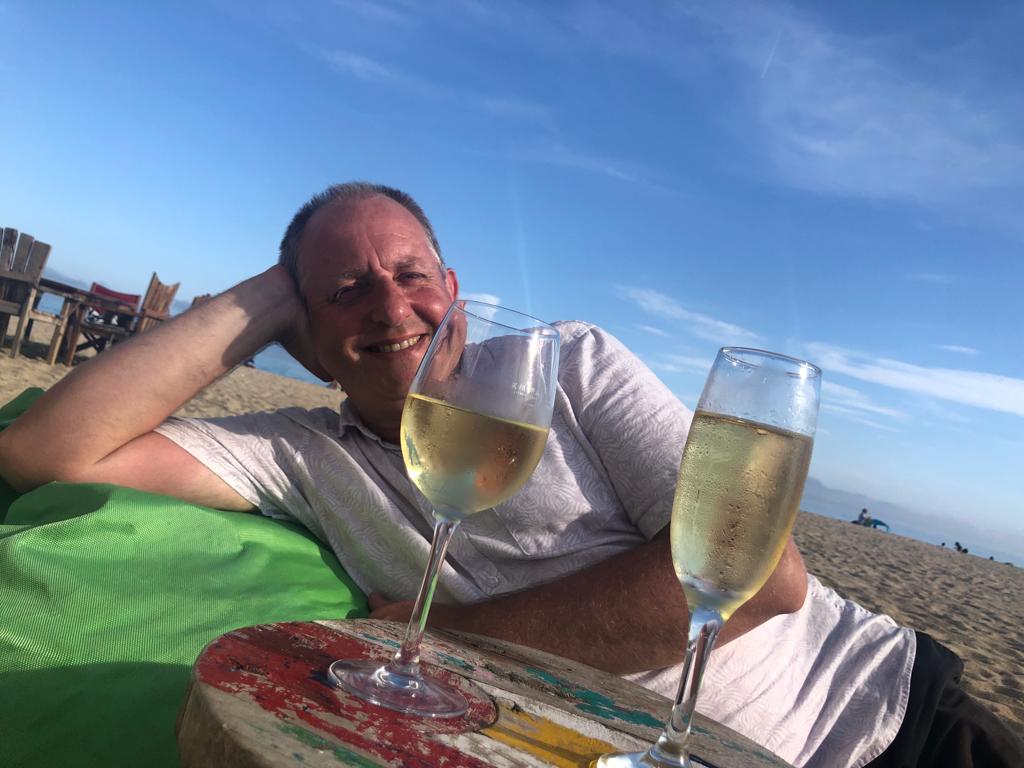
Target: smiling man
x,y
577,563
370,271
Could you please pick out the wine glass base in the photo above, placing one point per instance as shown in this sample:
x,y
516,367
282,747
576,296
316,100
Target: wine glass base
x,y
645,760
410,695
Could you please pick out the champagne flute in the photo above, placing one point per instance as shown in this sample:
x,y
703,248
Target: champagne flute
x,y
474,426
740,481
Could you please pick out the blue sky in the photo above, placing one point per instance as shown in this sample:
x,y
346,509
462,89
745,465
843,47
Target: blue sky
x,y
837,181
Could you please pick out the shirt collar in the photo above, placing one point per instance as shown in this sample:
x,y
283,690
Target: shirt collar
x,y
349,420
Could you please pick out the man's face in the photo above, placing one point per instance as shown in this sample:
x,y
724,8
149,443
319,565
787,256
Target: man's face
x,y
375,293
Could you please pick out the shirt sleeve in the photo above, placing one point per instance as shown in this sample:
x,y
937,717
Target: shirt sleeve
x,y
635,425
250,452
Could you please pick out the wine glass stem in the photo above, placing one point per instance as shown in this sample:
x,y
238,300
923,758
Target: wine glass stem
x,y
671,747
407,661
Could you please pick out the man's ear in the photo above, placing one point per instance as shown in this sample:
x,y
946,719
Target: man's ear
x,y
452,281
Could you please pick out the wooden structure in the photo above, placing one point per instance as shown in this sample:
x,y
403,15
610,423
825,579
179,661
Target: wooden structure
x,y
260,696
156,304
107,318
123,314
21,267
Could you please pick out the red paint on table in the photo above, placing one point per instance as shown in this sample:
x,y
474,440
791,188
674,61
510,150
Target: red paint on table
x,y
283,669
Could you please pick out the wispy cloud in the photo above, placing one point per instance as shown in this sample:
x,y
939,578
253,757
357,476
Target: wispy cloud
x,y
487,298
520,110
936,278
860,419
941,410
958,349
977,388
514,20
561,155
370,70
533,25
700,325
842,114
652,330
843,399
374,11
682,363
374,72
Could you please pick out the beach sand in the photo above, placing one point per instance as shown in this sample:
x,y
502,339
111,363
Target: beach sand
x,y
972,605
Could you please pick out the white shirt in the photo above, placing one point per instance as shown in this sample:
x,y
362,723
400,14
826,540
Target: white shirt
x,y
824,686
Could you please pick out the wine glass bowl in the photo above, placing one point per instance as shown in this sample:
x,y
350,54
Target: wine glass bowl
x,y
474,426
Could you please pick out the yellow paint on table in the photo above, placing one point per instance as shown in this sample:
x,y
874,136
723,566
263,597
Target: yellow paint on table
x,y
548,741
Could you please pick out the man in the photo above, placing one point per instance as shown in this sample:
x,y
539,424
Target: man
x,y
577,564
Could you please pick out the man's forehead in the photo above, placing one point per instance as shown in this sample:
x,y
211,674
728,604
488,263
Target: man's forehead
x,y
353,228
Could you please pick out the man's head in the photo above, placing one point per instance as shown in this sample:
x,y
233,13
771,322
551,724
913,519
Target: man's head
x,y
352,190
368,267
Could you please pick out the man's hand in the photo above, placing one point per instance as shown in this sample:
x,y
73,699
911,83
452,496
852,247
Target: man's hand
x,y
382,607
626,614
298,341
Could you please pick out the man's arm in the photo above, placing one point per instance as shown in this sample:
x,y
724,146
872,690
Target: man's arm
x,y
625,614
95,425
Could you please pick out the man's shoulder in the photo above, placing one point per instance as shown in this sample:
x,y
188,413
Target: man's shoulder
x,y
322,416
584,343
571,332
264,423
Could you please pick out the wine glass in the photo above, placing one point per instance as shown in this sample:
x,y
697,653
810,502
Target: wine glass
x,y
739,487
474,426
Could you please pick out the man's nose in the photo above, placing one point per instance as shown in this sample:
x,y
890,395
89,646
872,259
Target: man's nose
x,y
390,305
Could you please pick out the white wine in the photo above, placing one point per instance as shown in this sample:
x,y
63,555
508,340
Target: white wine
x,y
464,461
737,495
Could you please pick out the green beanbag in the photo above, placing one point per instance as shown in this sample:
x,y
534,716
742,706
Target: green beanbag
x,y
107,595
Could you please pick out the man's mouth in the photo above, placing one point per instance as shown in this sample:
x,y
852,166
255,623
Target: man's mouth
x,y
398,346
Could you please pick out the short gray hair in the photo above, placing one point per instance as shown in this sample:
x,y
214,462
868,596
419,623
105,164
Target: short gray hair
x,y
353,191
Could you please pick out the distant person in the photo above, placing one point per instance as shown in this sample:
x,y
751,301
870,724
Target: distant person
x,y
578,563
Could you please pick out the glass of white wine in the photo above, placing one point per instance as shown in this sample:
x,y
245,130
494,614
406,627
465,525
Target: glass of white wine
x,y
474,426
739,487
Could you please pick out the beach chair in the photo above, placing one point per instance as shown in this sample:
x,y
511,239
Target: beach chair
x,y
21,266
108,320
156,304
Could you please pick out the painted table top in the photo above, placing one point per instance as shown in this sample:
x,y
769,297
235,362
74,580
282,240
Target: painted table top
x,y
260,697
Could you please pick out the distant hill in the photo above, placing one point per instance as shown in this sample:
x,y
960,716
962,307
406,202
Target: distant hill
x,y
61,277
1005,546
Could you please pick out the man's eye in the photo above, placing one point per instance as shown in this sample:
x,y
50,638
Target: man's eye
x,y
412,276
341,293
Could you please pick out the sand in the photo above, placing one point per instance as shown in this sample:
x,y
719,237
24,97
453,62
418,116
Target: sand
x,y
972,605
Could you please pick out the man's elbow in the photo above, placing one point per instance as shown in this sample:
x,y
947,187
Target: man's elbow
x,y
22,468
790,579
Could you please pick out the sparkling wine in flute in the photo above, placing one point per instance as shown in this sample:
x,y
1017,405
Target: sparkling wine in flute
x,y
740,481
739,487
464,461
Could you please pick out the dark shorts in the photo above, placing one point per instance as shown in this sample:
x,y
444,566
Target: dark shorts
x,y
944,726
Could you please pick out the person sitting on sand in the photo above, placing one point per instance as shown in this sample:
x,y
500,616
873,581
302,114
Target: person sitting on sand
x,y
578,563
863,518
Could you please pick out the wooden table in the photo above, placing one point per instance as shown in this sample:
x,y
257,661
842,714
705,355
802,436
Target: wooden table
x,y
77,302
259,696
